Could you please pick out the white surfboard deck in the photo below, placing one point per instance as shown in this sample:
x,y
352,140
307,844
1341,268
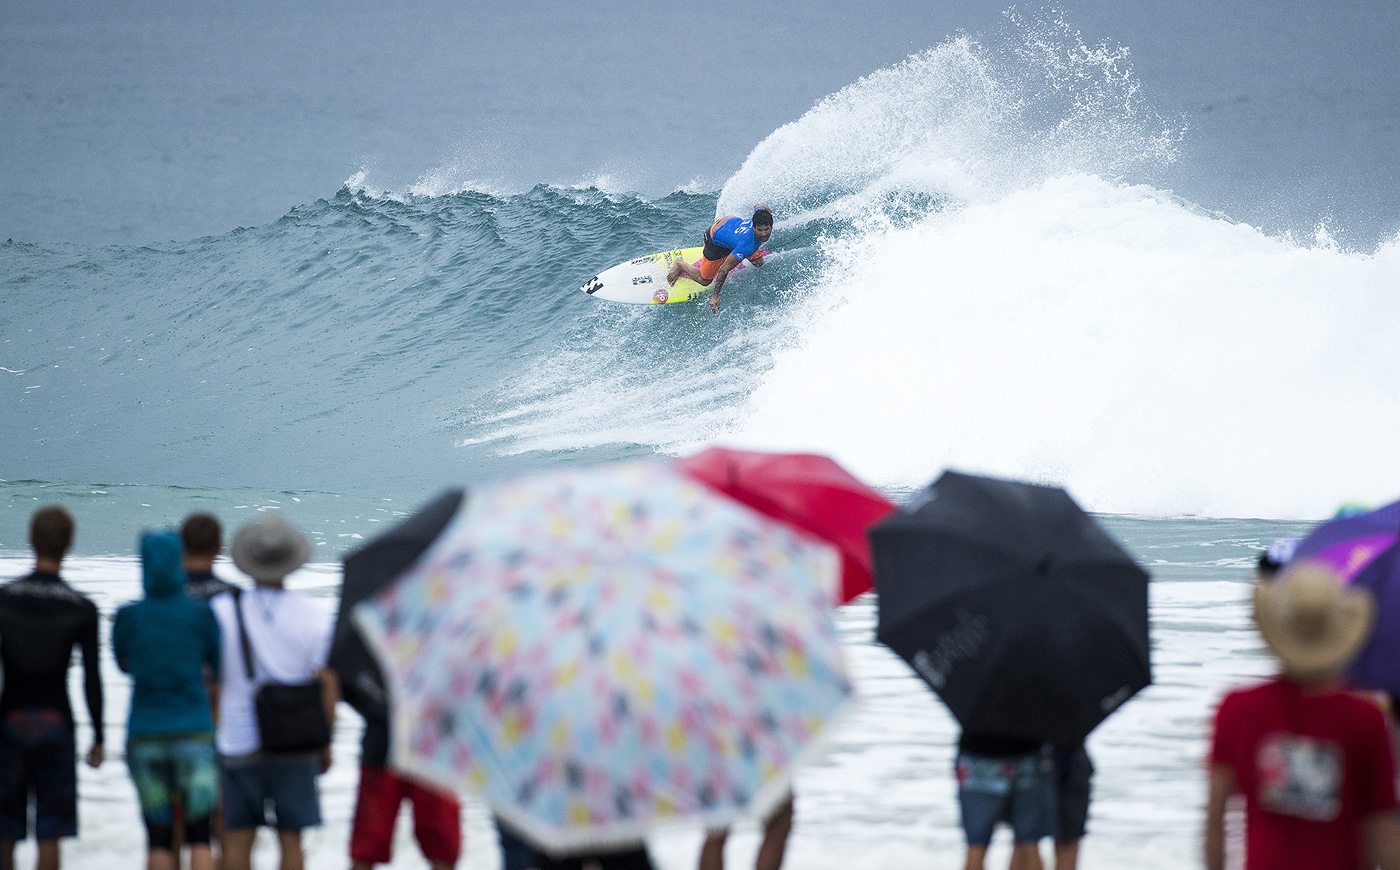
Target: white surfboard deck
x,y
643,281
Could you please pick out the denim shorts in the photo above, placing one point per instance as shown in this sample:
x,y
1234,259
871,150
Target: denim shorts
x,y
38,758
277,792
1019,791
170,768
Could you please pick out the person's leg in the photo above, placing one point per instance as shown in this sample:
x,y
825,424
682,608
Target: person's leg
x,y
241,791
681,267
7,855
48,855
237,848
53,768
161,859
775,837
1066,854
197,837
1073,785
295,802
289,842
437,825
1033,809
983,787
1026,856
376,812
976,857
148,765
201,857
712,852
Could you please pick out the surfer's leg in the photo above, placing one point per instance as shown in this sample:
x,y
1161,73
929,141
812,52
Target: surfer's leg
x,y
680,267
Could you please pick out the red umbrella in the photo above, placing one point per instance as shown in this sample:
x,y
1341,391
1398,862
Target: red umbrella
x,y
809,492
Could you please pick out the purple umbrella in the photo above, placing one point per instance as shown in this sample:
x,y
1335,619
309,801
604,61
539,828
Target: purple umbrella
x,y
1365,550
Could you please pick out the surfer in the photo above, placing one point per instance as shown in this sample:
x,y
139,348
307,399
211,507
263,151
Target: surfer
x,y
728,241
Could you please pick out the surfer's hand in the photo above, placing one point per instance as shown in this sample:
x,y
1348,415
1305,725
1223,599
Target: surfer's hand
x,y
714,303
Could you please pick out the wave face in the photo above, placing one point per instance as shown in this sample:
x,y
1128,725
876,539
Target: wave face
x,y
978,268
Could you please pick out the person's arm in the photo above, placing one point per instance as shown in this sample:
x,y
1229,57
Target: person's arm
x,y
213,658
1222,786
330,696
92,687
729,263
119,624
1380,833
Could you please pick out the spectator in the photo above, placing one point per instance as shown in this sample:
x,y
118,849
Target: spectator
x,y
289,637
165,642
203,539
776,829
41,619
1005,779
437,817
1313,762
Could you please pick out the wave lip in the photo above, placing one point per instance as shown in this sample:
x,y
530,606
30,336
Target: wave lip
x,y
967,120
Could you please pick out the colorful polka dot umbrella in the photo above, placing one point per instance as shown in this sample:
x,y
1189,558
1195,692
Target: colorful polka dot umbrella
x,y
600,651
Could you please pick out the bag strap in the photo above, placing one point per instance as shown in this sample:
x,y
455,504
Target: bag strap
x,y
243,634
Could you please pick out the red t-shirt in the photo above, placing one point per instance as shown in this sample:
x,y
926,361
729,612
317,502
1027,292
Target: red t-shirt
x,y
1311,767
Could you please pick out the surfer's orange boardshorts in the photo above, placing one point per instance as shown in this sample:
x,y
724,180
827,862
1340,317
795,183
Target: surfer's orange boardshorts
x,y
710,268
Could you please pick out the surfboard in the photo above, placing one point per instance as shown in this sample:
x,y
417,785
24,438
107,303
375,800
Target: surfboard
x,y
643,281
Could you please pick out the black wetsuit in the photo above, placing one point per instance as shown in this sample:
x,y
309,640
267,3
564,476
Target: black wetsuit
x,y
203,584
41,619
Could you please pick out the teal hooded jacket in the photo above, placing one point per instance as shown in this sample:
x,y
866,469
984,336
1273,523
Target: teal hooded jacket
x,y
164,642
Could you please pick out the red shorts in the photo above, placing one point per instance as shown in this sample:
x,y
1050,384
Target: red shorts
x,y
437,818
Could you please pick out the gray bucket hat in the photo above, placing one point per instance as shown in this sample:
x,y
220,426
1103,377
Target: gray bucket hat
x,y
269,548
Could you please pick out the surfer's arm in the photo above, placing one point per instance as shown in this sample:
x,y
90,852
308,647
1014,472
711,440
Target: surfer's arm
x,y
729,263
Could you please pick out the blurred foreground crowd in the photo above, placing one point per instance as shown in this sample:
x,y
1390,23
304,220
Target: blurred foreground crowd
x,y
233,704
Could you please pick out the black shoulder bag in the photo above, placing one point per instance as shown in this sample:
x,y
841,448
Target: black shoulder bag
x,y
291,717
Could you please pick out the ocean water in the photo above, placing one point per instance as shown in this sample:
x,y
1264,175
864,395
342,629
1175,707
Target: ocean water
x,y
324,259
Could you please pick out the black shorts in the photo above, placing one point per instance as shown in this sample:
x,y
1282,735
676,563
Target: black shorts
x,y
1072,794
38,759
714,250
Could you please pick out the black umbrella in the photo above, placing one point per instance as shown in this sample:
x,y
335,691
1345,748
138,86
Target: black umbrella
x,y
368,570
1025,617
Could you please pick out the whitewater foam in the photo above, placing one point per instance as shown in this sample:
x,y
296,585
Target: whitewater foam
x,y
1154,358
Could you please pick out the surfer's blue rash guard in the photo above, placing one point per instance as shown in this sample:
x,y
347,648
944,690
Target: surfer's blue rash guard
x,y
736,234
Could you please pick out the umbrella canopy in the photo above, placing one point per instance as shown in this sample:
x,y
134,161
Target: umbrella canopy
x,y
1025,617
368,571
810,492
597,651
1365,550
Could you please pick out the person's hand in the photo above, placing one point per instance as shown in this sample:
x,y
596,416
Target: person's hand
x,y
325,759
714,303
96,755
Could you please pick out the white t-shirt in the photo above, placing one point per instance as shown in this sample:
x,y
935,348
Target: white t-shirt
x,y
290,636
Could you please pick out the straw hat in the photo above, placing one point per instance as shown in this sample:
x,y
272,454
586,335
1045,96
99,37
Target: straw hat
x,y
1312,620
269,549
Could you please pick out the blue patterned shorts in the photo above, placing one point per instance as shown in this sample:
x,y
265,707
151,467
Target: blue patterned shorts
x,y
165,768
